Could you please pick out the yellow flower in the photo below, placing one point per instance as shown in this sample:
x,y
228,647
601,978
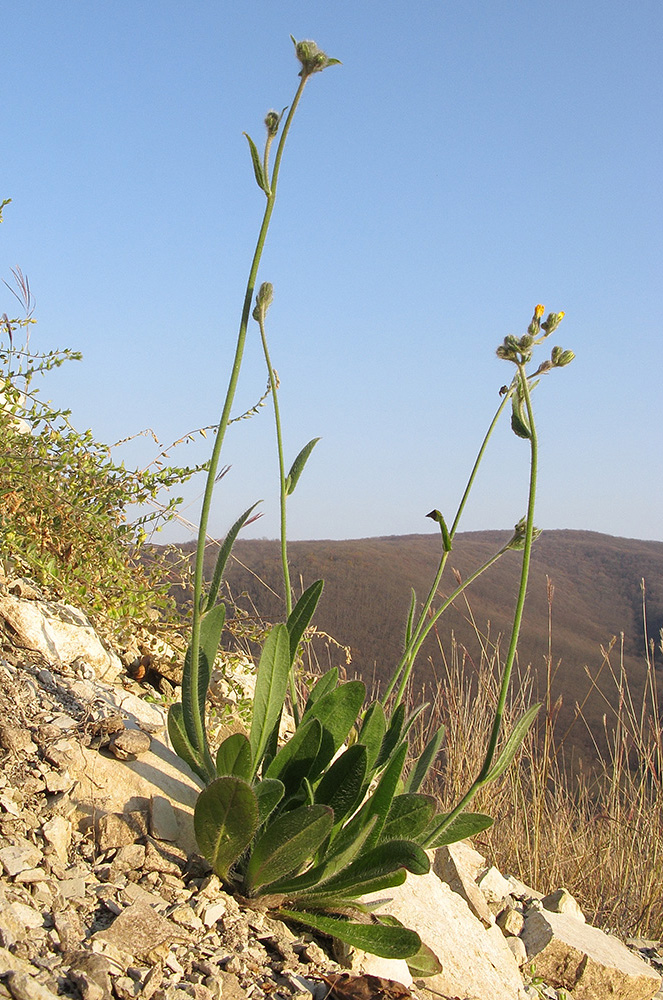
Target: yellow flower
x,y
539,311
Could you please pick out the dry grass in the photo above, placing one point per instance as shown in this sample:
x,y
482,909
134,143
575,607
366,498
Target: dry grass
x,y
596,831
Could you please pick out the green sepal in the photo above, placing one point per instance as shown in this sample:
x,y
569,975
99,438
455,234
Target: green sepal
x,y
298,466
261,180
378,939
224,554
465,825
270,690
225,819
514,741
234,757
181,743
287,844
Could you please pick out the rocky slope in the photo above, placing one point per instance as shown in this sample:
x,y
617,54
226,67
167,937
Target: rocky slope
x,y
102,893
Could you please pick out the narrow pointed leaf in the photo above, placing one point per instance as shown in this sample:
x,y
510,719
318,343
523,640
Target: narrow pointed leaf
x,y
424,962
194,689
337,711
298,466
387,942
327,898
322,686
372,733
295,760
301,615
317,876
519,421
408,816
465,825
270,691
181,743
234,757
269,793
410,617
225,819
425,761
261,181
287,844
224,554
392,736
511,746
342,783
381,860
380,801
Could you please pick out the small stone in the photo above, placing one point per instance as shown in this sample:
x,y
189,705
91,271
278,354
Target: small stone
x,y
69,925
91,974
19,857
518,949
129,744
561,901
129,858
58,781
120,829
185,917
57,832
213,912
139,931
159,859
71,888
494,886
163,821
25,987
16,739
510,921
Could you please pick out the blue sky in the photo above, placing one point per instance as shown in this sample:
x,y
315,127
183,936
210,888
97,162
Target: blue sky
x,y
464,163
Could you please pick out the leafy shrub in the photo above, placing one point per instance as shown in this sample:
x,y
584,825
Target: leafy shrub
x,y
65,501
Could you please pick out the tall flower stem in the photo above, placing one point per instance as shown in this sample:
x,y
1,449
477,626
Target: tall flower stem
x,y
199,722
522,385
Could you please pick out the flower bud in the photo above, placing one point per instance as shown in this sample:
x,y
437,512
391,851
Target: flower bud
x,y
312,58
552,322
272,122
264,299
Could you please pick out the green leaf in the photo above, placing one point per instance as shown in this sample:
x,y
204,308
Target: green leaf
x,y
511,746
224,553
372,733
301,615
425,761
465,825
341,785
380,801
287,844
298,466
380,861
234,757
392,736
341,899
181,743
269,793
519,422
408,816
377,939
270,691
424,962
211,627
225,819
410,617
327,682
261,180
332,863
295,760
337,711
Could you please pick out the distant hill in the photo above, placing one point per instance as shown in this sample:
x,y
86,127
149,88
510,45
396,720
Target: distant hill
x,y
597,595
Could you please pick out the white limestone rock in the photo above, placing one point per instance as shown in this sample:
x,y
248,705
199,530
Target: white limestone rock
x,y
577,957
